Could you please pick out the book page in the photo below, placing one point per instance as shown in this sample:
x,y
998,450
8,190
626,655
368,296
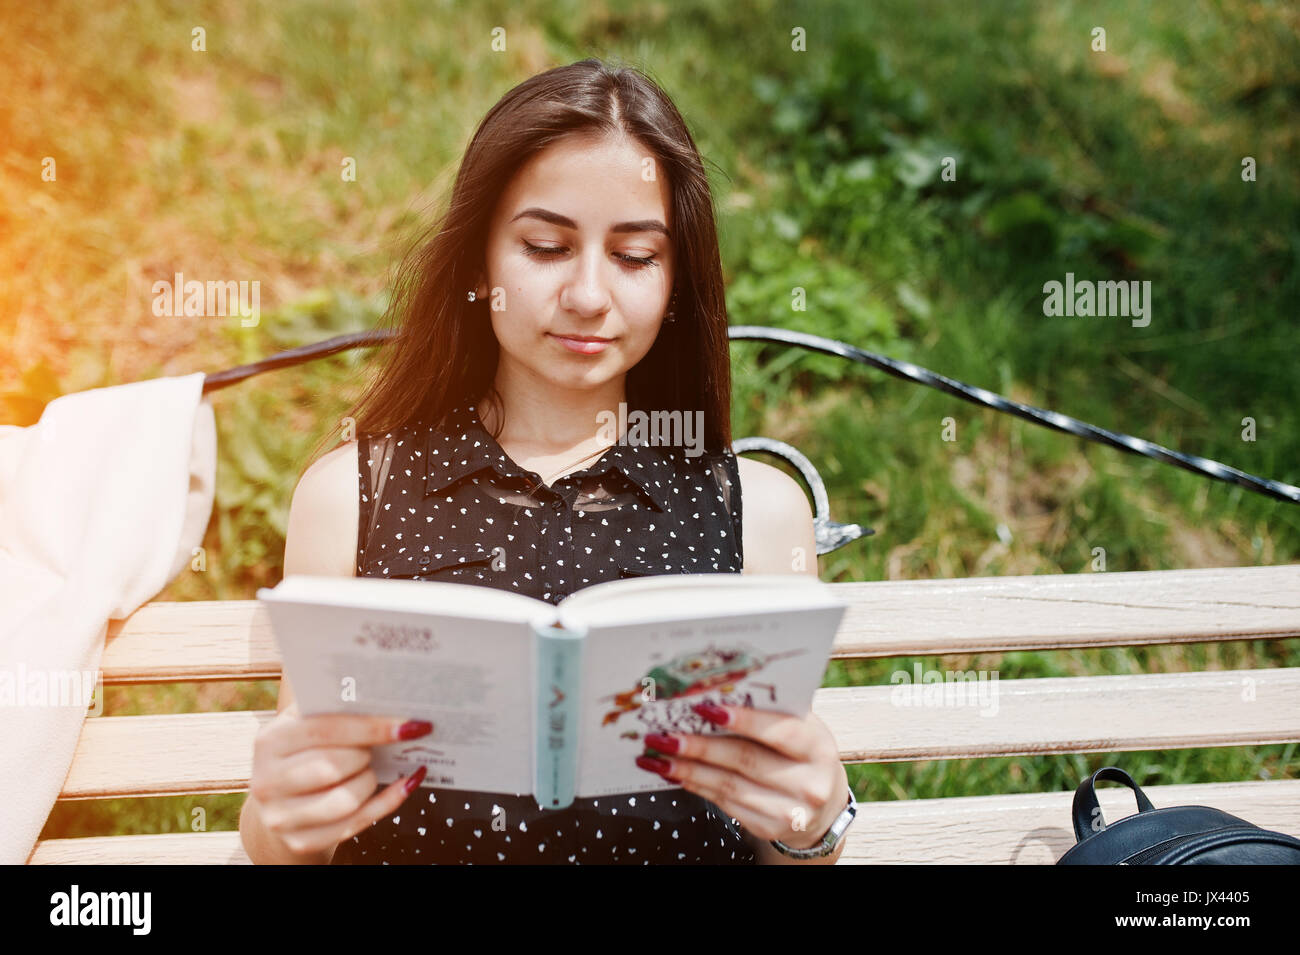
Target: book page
x,y
470,677
643,676
650,598
463,600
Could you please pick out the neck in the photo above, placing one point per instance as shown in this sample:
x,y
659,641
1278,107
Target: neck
x,y
551,420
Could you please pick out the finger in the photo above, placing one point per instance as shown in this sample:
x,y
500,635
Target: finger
x,y
328,806
315,769
790,735
760,809
765,812
791,797
380,806
744,756
287,736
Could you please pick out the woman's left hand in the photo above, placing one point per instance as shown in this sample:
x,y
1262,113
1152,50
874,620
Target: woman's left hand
x,y
780,776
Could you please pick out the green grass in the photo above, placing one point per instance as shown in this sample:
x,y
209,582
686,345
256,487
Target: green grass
x,y
1122,165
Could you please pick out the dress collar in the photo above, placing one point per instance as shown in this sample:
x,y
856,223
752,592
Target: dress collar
x,y
471,449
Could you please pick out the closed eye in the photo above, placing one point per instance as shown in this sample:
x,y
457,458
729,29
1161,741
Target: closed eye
x,y
550,252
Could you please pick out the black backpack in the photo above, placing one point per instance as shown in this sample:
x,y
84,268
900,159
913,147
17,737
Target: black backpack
x,y
1179,835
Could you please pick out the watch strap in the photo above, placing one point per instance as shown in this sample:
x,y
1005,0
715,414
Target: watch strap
x,y
828,841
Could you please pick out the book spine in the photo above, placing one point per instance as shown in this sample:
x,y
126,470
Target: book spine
x,y
558,696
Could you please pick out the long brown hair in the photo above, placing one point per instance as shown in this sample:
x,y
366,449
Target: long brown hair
x,y
444,351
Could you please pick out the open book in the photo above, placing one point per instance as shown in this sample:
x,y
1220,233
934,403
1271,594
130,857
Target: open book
x,y
553,700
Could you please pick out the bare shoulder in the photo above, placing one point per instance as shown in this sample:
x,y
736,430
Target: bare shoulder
x,y
777,521
770,496
323,516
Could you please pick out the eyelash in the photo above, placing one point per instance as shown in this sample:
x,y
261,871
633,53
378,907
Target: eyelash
x,y
546,252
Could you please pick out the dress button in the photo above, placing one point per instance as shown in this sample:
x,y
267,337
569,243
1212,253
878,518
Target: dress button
x,y
424,560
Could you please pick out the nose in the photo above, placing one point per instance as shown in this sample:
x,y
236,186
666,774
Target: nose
x,y
585,293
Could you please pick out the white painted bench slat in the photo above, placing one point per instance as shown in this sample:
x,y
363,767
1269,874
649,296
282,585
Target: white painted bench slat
x,y
1059,611
1070,715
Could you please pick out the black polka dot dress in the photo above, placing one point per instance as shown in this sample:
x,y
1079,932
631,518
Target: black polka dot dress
x,y
447,503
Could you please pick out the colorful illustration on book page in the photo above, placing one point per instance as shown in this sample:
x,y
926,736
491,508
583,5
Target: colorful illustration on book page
x,y
679,683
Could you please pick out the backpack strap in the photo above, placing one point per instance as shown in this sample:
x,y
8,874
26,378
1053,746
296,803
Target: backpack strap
x,y
1088,819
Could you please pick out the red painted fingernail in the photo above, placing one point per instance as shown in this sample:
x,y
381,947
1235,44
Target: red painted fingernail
x,y
413,728
653,764
712,712
663,742
415,779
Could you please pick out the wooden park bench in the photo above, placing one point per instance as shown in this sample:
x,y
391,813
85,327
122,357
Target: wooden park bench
x,y
195,753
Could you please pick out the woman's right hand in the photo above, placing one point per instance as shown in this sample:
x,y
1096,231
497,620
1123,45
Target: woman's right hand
x,y
312,777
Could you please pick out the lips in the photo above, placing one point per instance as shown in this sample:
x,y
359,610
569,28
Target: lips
x,y
583,345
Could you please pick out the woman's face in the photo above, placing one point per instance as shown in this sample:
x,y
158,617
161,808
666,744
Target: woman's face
x,y
579,246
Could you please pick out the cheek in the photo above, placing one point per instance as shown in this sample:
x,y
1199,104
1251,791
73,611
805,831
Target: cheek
x,y
643,304
521,280
519,299
514,331
641,338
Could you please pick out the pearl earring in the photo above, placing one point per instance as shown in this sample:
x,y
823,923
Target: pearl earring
x,y
671,315
472,296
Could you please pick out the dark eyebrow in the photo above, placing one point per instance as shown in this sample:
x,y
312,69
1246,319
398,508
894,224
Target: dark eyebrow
x,y
564,222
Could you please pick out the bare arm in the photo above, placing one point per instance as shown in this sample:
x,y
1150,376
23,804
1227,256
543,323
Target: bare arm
x,y
779,539
321,540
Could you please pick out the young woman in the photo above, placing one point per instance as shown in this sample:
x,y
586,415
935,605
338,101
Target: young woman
x,y
575,271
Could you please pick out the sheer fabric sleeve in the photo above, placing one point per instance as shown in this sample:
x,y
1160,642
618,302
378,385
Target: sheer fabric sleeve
x,y
726,474
374,459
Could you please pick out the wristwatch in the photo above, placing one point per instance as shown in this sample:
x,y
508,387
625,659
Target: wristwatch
x,y
829,841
